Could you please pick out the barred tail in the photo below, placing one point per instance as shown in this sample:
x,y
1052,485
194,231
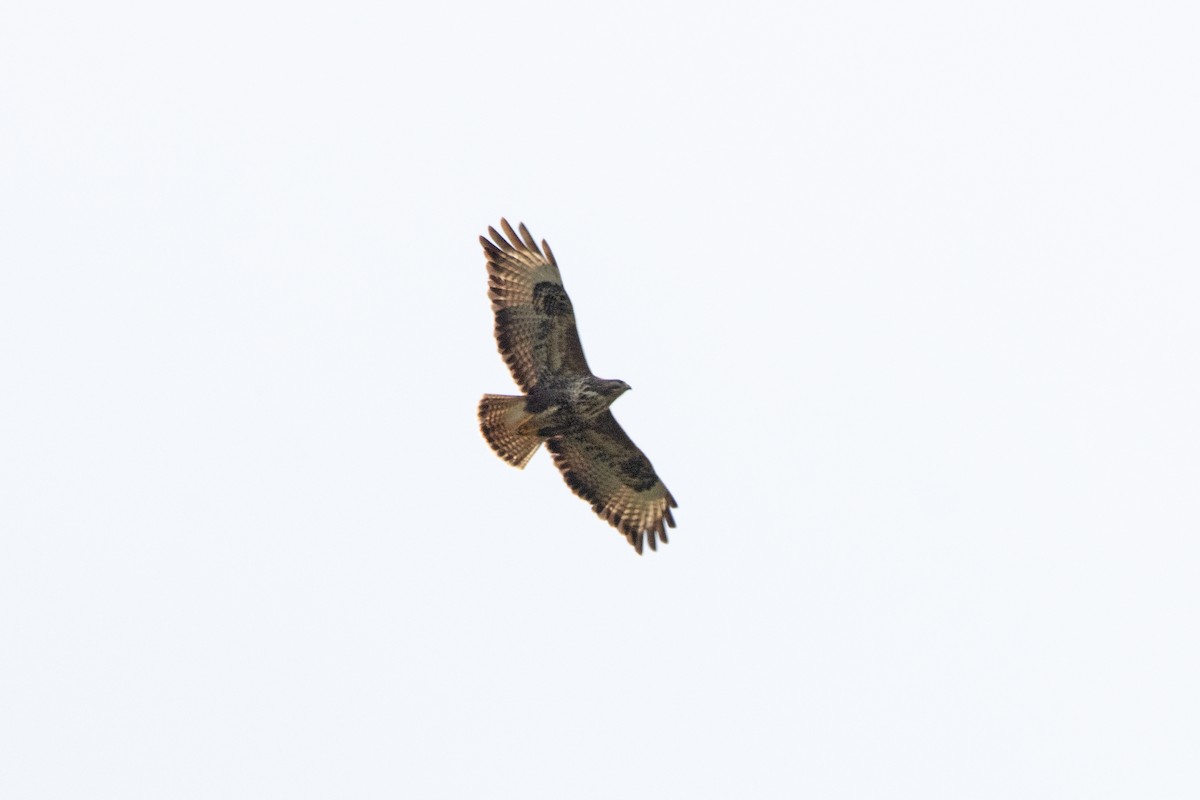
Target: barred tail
x,y
499,417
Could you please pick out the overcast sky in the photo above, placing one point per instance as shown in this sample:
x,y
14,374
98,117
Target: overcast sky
x,y
907,294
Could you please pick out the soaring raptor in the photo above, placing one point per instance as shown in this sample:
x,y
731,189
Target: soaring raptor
x,y
564,404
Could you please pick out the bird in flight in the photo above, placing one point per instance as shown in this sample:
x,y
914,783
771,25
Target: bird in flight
x,y
564,404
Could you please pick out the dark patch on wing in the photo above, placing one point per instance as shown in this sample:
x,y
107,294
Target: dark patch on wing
x,y
639,472
551,299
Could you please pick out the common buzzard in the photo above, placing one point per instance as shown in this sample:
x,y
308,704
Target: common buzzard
x,y
564,404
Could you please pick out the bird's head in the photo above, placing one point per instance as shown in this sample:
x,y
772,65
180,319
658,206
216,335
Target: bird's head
x,y
615,389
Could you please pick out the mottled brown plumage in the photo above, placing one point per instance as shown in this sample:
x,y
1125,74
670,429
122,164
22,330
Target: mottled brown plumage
x,y
564,404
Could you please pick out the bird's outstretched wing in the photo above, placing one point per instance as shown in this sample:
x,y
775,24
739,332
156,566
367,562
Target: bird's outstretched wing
x,y
535,322
602,465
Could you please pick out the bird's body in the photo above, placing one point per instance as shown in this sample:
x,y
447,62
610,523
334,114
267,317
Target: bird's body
x,y
564,405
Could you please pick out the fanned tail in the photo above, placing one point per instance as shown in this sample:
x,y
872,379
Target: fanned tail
x,y
500,416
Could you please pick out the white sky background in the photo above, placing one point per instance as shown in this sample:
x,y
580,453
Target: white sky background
x,y
907,294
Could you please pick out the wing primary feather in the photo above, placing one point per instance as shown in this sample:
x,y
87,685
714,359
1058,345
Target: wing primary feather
x,y
530,242
500,241
512,235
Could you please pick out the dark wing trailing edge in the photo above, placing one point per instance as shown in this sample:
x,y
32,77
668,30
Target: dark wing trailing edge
x,y
602,465
535,322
